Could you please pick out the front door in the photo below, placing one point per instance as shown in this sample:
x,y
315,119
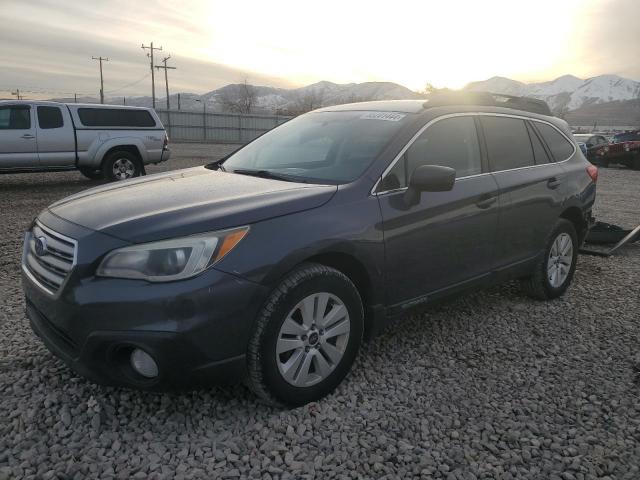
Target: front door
x,y
18,142
447,239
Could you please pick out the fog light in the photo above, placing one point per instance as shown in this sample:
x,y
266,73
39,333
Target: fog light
x,y
143,363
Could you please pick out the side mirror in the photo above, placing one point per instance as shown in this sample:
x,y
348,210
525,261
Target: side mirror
x,y
429,178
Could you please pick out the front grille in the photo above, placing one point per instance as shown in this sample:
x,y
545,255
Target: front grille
x,y
48,257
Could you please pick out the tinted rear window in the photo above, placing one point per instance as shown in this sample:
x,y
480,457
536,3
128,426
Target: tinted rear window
x,y
115,117
15,118
508,143
50,117
560,147
538,149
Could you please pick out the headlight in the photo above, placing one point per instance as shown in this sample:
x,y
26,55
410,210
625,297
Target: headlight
x,y
173,259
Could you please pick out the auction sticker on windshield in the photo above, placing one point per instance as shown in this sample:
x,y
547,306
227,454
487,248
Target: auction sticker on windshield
x,y
388,116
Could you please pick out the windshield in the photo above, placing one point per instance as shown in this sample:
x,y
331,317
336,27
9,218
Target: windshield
x,y
321,147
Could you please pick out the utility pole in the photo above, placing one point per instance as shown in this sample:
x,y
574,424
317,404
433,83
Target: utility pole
x,y
75,98
101,59
178,101
151,48
166,77
17,94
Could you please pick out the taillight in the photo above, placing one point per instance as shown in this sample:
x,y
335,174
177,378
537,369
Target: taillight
x,y
166,142
592,171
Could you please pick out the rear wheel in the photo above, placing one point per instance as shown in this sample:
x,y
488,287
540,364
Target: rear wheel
x,y
91,173
306,337
554,270
121,165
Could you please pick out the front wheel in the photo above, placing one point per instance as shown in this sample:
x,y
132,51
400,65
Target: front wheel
x,y
554,270
306,337
121,165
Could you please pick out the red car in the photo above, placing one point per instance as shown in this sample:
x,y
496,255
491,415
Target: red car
x,y
625,149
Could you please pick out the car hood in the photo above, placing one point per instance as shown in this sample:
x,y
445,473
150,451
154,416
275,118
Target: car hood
x,y
185,202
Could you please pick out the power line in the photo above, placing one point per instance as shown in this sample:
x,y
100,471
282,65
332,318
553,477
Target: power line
x,y
132,84
166,77
151,48
101,59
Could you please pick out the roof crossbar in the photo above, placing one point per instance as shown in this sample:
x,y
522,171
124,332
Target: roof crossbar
x,y
526,104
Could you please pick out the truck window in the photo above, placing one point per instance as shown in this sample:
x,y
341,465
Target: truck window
x,y
15,117
115,117
50,117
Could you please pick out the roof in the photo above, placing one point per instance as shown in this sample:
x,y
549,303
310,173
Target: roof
x,y
404,106
447,99
83,105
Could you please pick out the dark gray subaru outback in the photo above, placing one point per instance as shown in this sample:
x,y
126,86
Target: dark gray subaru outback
x,y
272,265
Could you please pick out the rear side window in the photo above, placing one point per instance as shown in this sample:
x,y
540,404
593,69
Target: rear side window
x,y
539,152
560,147
508,143
15,118
115,117
50,117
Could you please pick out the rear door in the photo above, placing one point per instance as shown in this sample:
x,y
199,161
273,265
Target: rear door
x,y
56,138
448,238
18,142
530,182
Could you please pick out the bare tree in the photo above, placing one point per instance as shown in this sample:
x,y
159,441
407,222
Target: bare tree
x,y
239,98
305,102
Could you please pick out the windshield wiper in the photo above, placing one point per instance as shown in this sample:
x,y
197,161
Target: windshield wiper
x,y
268,174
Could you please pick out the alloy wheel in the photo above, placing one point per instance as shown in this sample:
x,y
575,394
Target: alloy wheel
x,y
123,168
312,339
560,259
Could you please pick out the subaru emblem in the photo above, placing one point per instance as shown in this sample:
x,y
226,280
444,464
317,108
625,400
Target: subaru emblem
x,y
41,246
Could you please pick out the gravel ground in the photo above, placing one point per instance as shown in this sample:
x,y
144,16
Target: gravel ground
x,y
492,385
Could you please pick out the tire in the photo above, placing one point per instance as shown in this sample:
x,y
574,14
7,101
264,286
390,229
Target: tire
x,y
635,163
310,352
542,284
121,165
91,173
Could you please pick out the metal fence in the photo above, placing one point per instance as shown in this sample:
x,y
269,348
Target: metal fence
x,y
189,126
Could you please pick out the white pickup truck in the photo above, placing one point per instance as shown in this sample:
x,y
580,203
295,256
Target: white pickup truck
x,y
102,141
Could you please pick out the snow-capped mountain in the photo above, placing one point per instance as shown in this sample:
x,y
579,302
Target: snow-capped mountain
x,y
566,93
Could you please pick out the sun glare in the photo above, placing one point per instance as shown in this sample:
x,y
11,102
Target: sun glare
x,y
446,44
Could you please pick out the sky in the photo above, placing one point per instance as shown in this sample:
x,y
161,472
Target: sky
x,y
46,45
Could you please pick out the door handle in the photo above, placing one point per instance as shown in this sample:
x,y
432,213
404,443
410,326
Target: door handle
x,y
553,183
28,136
486,201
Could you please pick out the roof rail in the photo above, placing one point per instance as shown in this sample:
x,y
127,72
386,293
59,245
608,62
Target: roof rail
x,y
526,104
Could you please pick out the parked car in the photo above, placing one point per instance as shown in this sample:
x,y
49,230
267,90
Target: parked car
x,y
102,141
624,149
273,264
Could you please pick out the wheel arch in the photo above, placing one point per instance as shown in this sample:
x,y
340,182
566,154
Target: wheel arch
x,y
357,272
577,218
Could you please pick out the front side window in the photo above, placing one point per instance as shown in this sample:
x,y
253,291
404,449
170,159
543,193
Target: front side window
x,y
50,117
115,117
560,147
15,118
452,142
508,143
329,147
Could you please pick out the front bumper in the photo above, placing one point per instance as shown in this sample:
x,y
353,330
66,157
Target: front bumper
x,y
197,330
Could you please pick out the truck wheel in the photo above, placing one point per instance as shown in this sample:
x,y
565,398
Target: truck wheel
x,y
306,336
121,165
635,163
554,270
91,173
